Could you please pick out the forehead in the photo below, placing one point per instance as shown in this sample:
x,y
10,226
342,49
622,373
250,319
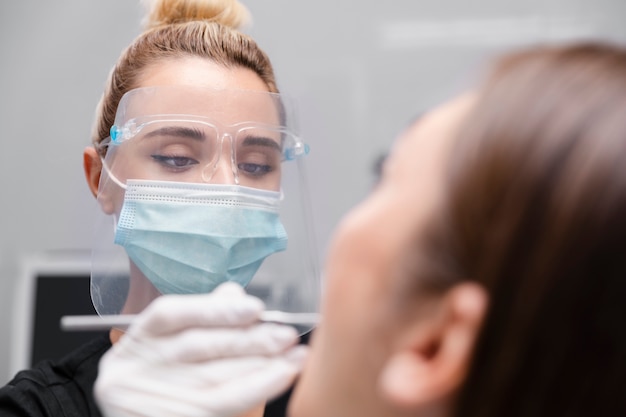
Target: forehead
x,y
199,72
200,87
226,107
425,145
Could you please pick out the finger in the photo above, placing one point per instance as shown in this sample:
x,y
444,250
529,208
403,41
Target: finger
x,y
259,385
204,375
196,345
222,388
229,289
230,387
144,401
173,313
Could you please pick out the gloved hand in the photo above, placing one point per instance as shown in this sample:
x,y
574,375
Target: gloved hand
x,y
198,355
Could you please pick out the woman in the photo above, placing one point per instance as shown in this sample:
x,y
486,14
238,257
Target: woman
x,y
484,276
187,165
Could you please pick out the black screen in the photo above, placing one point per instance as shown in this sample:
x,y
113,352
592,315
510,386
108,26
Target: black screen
x,y
57,296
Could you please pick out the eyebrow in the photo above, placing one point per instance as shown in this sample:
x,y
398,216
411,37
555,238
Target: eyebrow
x,y
261,141
178,131
197,134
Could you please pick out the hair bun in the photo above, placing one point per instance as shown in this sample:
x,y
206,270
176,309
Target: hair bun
x,y
165,12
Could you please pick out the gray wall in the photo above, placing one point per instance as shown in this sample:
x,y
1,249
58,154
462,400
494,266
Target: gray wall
x,y
361,70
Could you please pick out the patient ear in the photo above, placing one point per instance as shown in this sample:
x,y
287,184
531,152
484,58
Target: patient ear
x,y
92,165
429,366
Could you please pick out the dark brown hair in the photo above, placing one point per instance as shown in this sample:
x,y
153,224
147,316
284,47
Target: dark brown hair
x,y
536,213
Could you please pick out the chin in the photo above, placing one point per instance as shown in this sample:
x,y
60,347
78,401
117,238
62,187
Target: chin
x,y
304,401
295,408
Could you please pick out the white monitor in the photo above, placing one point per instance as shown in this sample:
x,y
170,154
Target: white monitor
x,y
50,286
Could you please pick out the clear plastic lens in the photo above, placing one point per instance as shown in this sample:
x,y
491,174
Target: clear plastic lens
x,y
194,150
204,136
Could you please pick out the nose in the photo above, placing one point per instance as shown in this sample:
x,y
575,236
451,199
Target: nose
x,y
222,172
224,169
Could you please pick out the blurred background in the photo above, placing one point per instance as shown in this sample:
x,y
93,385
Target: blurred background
x,y
360,71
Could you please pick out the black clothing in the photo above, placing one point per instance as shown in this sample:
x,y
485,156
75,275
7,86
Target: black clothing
x,y
62,388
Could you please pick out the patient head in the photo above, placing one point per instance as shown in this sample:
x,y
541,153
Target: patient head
x,y
485,275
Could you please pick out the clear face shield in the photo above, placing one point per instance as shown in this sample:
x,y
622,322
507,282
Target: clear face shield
x,y
199,187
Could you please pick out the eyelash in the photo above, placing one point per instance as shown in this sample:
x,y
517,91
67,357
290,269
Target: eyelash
x,y
177,163
163,159
265,169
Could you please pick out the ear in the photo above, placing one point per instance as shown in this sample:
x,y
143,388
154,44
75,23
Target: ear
x,y
92,165
429,367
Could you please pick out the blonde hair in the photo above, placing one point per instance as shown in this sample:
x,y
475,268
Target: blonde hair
x,y
179,28
227,12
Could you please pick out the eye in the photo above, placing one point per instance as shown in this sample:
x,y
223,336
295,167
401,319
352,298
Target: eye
x,y
175,162
255,170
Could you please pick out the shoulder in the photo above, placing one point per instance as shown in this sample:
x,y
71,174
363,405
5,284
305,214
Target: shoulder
x,y
56,388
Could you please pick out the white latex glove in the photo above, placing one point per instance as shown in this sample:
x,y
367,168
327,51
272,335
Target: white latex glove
x,y
198,355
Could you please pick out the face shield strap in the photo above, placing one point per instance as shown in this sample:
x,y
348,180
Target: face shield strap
x,y
111,175
298,150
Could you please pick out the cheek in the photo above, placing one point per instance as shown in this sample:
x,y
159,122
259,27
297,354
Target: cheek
x,y
111,199
364,252
349,342
351,264
358,270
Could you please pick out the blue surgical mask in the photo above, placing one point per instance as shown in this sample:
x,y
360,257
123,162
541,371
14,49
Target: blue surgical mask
x,y
188,238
